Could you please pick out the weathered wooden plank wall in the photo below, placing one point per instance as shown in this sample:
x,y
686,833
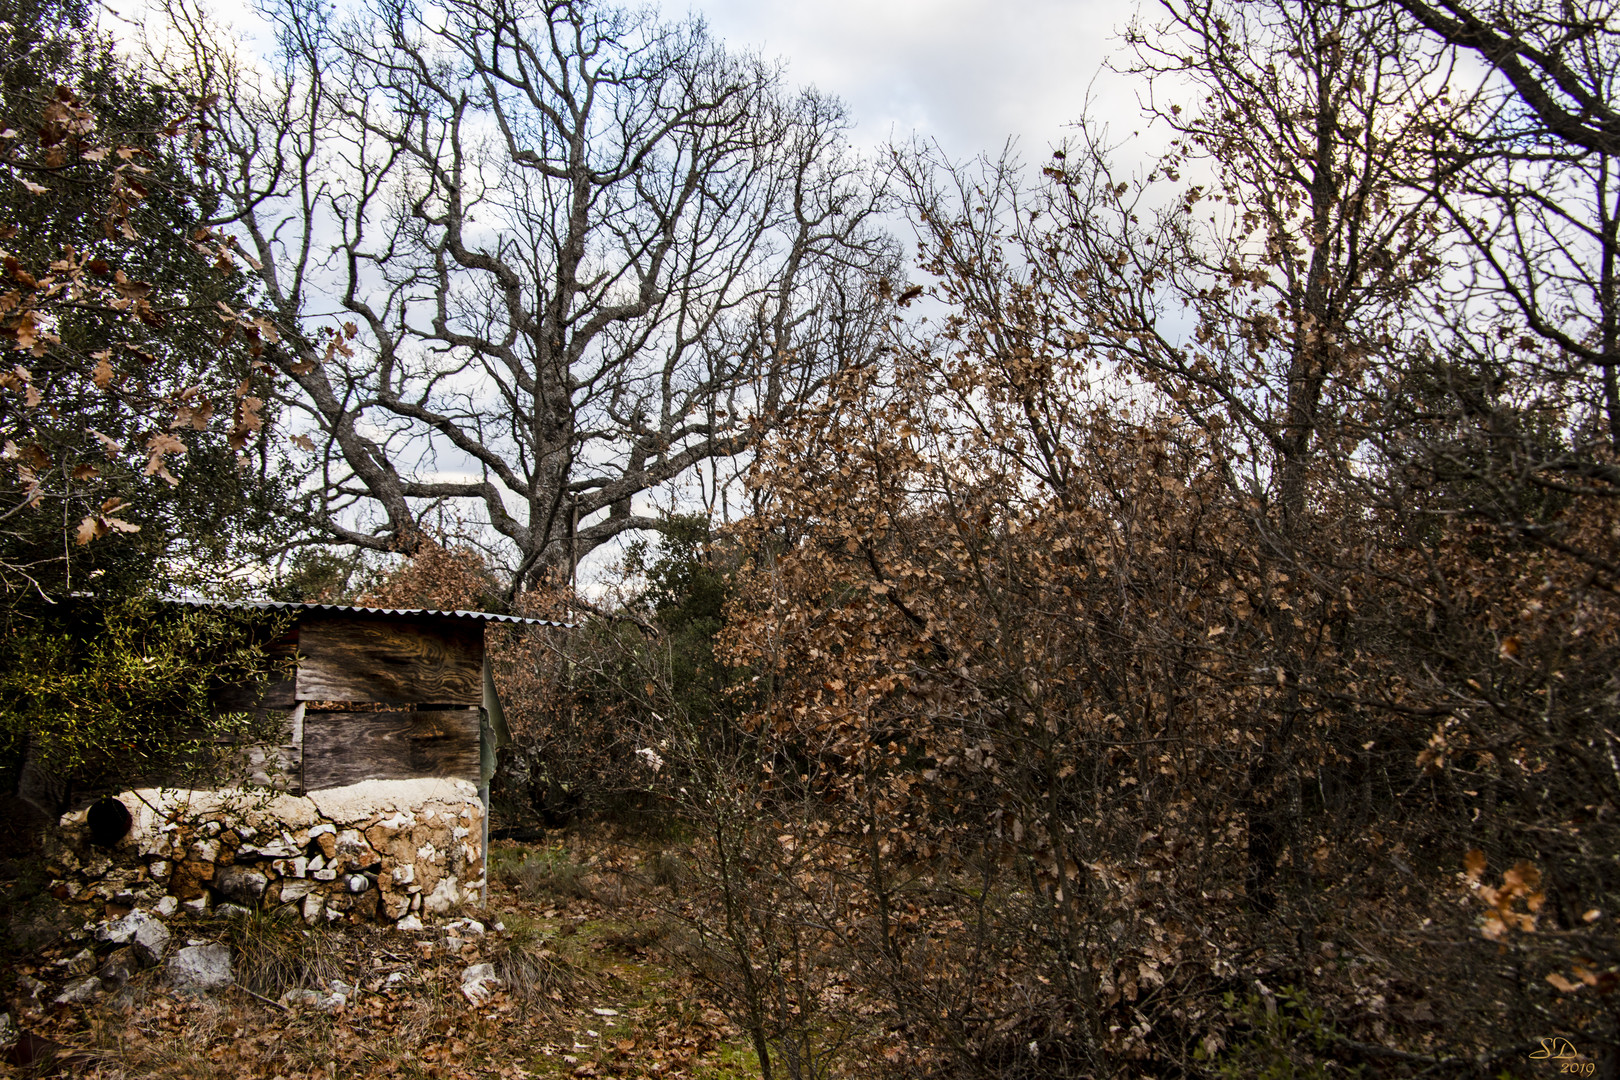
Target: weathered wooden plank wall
x,y
278,767
348,747
423,661
397,661
277,695
274,761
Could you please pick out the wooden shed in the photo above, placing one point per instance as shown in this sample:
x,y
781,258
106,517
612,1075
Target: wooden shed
x,y
379,694
382,748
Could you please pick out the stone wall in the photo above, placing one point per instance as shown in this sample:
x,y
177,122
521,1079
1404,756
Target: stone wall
x,y
382,850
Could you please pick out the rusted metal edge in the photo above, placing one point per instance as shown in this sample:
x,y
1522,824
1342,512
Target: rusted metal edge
x,y
350,609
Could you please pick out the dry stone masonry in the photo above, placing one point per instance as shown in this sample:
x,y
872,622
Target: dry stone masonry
x,y
382,850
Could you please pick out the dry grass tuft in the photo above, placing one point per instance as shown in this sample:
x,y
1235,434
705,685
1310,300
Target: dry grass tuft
x,y
668,870
547,873
637,939
271,955
534,975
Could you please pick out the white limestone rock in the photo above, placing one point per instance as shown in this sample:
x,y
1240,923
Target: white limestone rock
x,y
200,968
77,993
146,935
444,896
295,890
241,884
478,982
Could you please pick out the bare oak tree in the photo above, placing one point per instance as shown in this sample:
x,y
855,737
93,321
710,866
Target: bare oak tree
x,y
1551,56
536,259
1539,203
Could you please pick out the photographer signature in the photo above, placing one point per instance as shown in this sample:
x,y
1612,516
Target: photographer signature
x,y
1563,1051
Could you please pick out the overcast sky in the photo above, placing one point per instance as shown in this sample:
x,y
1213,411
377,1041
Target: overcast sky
x,y
969,73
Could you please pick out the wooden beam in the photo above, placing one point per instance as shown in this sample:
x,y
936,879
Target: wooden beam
x,y
273,761
277,767
343,748
403,661
277,695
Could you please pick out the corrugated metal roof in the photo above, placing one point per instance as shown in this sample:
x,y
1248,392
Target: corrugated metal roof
x,y
351,609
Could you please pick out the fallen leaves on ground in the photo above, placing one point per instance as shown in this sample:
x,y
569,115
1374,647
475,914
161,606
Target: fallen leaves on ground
x,y
632,1016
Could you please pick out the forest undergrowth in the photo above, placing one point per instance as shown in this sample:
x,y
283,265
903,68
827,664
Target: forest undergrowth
x,y
575,930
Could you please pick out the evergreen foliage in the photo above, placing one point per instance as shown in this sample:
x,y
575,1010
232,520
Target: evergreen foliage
x,y
130,415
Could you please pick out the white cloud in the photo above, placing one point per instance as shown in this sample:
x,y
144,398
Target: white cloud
x,y
969,73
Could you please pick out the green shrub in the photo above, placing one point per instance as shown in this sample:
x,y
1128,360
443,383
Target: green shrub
x,y
104,693
1286,1039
